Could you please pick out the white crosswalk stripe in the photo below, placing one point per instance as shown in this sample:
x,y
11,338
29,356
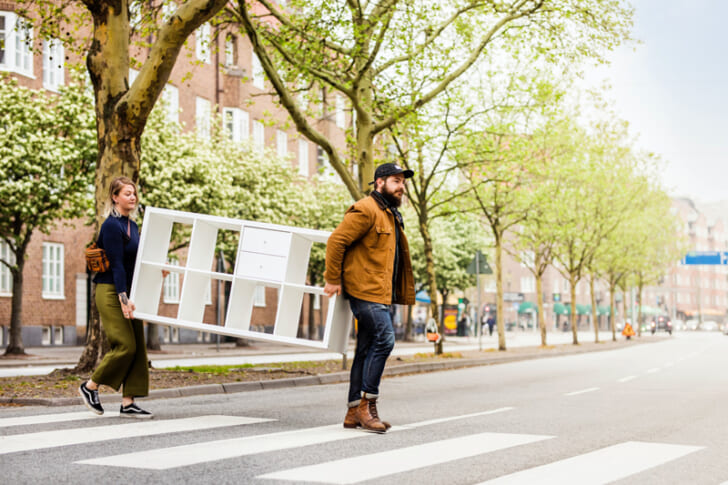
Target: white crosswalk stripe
x,y
177,456
53,418
595,467
65,437
389,462
600,466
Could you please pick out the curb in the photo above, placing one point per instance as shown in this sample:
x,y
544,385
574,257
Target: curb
x,y
291,382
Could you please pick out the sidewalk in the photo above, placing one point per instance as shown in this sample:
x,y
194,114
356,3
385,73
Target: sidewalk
x,y
43,360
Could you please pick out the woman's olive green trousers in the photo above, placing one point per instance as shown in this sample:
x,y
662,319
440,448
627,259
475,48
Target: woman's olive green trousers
x,y
126,363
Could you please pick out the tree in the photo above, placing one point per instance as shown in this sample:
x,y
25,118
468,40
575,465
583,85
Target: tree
x,y
454,242
362,51
47,159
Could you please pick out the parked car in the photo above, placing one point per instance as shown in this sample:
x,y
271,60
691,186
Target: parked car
x,y
678,324
691,324
709,326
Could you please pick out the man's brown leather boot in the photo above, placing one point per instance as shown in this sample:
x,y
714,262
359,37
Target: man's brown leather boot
x,y
351,420
368,417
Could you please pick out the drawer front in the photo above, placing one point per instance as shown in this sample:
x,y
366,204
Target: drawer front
x,y
266,241
261,266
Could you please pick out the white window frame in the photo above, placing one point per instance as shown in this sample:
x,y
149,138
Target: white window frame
x,y
303,157
259,296
258,72
230,50
170,295
282,143
259,134
203,113
170,94
202,43
317,302
53,64
237,124
17,55
53,271
340,111
6,276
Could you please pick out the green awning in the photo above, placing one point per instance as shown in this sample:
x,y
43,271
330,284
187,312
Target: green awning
x,y
648,310
527,307
583,309
561,309
604,310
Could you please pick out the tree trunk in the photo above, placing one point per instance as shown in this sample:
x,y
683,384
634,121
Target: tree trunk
x,y
431,279
595,321
639,309
540,316
15,341
153,337
408,325
574,334
93,351
612,312
499,294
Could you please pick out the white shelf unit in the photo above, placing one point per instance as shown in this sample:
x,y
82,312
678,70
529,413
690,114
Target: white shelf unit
x,y
268,254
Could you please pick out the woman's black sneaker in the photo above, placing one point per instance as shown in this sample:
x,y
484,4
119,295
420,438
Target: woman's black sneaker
x,y
134,411
91,399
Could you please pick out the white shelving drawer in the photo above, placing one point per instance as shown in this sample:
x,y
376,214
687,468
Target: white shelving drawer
x,y
261,266
265,241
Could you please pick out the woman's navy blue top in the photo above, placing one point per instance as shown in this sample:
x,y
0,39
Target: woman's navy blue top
x,y
121,250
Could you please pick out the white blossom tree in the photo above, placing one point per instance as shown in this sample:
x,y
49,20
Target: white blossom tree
x,y
47,156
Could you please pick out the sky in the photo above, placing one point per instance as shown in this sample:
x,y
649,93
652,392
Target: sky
x,y
673,89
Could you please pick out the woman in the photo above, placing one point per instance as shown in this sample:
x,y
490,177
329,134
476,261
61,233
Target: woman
x,y
126,363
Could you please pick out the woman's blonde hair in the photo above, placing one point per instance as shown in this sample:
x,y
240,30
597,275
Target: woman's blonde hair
x,y
114,188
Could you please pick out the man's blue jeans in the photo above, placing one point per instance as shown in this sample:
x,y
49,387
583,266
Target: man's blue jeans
x,y
374,343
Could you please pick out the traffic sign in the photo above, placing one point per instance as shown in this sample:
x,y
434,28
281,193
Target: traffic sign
x,y
483,267
705,257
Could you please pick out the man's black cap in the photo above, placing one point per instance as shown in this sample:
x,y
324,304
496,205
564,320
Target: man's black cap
x,y
387,169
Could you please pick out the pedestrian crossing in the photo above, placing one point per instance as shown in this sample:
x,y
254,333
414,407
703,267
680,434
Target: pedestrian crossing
x,y
597,466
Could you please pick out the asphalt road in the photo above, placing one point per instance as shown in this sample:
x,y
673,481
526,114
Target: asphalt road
x,y
649,414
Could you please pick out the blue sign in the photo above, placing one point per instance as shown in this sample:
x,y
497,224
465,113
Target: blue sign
x,y
705,257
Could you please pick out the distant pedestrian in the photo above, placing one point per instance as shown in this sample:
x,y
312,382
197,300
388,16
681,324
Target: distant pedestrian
x,y
125,365
491,323
368,261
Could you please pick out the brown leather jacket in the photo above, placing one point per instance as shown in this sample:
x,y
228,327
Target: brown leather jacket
x,y
360,255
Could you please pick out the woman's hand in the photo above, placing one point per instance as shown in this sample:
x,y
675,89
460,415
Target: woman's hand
x,y
127,306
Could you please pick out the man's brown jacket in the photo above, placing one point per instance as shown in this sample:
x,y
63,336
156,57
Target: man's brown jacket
x,y
360,255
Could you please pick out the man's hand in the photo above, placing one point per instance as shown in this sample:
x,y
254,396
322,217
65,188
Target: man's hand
x,y
332,290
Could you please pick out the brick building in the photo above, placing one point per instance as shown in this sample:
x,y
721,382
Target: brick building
x,y
216,72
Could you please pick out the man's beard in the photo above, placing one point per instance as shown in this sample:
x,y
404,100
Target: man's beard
x,y
393,200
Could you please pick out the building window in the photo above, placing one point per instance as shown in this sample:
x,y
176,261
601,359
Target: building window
x,y
231,51
259,299
258,73
202,117
340,113
303,157
53,59
53,270
236,123
281,143
170,96
259,134
16,40
171,283
528,284
202,43
6,277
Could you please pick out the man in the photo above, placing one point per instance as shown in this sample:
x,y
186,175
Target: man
x,y
368,260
